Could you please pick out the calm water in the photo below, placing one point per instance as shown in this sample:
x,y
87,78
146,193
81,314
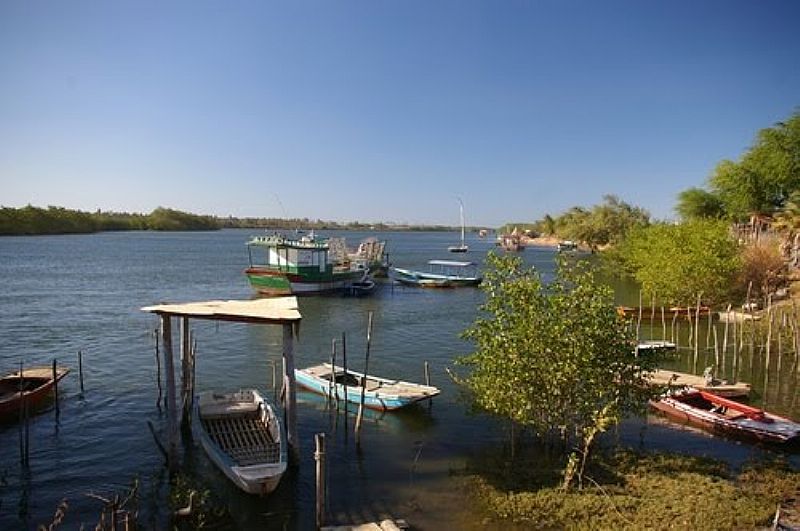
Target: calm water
x,y
68,293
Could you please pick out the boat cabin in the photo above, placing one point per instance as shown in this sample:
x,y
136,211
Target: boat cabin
x,y
306,255
453,268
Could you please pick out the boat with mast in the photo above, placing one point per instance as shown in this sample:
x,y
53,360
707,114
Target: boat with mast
x,y
463,248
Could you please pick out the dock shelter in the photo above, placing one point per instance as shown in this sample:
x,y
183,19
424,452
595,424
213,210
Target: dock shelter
x,y
281,311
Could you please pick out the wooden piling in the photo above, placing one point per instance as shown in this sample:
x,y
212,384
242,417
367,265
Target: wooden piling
x,y
185,371
158,371
21,416
172,407
364,381
55,388
333,392
290,390
770,315
344,386
319,457
725,338
80,369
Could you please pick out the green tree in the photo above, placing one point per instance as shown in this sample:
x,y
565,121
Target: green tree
x,y
699,203
679,262
555,358
765,176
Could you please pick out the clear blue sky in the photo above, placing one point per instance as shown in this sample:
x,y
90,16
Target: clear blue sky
x,y
378,110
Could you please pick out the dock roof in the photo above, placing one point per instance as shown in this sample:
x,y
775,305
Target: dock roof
x,y
277,310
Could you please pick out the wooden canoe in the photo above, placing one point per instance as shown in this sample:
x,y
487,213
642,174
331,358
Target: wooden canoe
x,y
728,417
32,388
718,387
242,436
380,393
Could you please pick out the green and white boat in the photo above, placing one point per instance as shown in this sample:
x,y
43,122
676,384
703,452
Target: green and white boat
x,y
305,266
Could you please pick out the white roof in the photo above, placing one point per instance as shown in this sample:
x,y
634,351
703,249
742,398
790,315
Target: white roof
x,y
272,310
451,263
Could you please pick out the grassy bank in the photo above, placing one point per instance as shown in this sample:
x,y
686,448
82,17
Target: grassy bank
x,y
631,490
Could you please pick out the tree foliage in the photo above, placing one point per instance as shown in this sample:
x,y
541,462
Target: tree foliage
x,y
696,203
760,182
678,263
56,220
763,270
602,224
556,358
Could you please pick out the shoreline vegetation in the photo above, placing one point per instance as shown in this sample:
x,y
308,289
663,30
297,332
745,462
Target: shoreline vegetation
x,y
33,221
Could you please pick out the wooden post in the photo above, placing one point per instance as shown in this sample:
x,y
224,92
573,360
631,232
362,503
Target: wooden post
x,y
319,457
639,320
675,333
735,362
725,338
364,381
55,388
663,325
428,381
769,340
652,313
158,372
290,390
172,407
333,392
344,384
80,369
185,376
21,416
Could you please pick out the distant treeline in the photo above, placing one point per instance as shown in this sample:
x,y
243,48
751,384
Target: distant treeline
x,y
32,220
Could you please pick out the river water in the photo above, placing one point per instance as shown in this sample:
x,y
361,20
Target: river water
x,y
64,294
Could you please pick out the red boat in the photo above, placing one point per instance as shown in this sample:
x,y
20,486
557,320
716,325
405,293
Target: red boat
x,y
728,417
33,388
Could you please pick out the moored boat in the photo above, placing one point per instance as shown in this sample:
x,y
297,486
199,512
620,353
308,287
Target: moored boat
x,y
379,393
361,288
565,246
242,436
441,274
649,313
298,267
32,388
702,383
511,242
728,417
655,345
462,247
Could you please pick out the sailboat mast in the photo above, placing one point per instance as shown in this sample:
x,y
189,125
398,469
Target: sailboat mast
x,y
462,221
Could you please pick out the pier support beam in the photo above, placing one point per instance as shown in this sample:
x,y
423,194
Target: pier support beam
x,y
291,391
186,373
172,409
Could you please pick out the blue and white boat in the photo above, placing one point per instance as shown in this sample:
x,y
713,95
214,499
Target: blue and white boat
x,y
379,393
440,274
242,436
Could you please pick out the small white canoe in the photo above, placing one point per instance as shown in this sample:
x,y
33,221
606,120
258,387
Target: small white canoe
x,y
242,435
718,387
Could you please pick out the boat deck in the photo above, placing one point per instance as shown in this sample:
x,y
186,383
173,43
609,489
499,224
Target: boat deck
x,y
395,387
243,437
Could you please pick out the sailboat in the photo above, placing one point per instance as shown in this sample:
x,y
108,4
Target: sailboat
x,y
463,248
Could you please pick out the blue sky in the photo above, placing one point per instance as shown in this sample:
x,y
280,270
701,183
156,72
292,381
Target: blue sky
x,y
378,110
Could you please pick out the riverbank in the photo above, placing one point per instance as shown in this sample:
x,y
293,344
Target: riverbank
x,y
626,489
